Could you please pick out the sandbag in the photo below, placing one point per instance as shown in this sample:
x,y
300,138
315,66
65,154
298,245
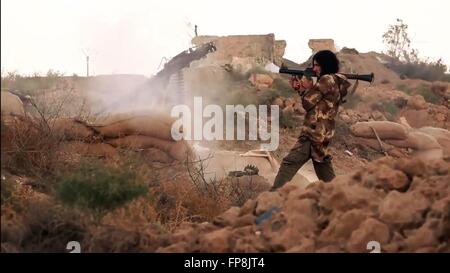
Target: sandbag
x,y
71,129
176,149
113,118
373,143
431,154
416,140
442,136
151,126
11,104
384,129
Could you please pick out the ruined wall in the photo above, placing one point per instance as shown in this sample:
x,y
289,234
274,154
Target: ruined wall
x,y
321,44
261,48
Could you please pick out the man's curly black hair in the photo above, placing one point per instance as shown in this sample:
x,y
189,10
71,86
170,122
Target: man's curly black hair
x,y
329,63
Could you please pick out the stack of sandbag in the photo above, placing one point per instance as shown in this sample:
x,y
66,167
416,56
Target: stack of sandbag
x,y
141,131
426,141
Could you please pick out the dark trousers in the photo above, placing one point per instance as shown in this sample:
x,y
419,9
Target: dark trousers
x,y
299,155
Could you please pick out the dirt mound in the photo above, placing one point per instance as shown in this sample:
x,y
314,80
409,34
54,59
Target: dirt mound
x,y
404,205
363,63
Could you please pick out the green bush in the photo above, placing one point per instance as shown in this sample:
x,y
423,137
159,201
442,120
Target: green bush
x,y
425,70
98,187
424,90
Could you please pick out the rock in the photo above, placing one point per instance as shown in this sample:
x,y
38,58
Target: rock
x,y
248,207
250,244
217,241
301,206
305,245
228,217
403,209
245,220
346,197
180,247
422,237
267,200
342,226
184,235
390,179
285,233
417,102
370,230
411,167
432,189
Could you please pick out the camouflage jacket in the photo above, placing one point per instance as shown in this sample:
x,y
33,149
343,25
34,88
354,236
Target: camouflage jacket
x,y
321,103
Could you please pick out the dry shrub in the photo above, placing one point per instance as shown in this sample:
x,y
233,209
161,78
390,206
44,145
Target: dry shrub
x,y
32,222
52,226
245,188
132,228
28,147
